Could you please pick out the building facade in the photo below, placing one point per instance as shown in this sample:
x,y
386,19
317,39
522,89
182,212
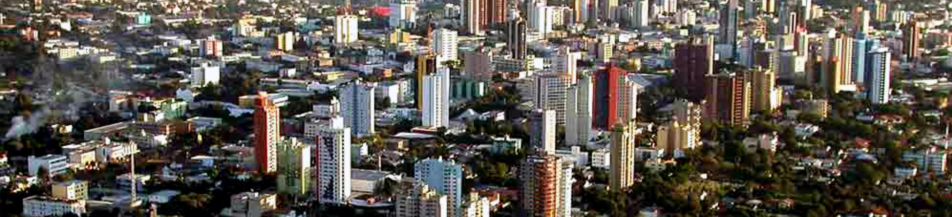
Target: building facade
x,y
445,177
333,162
267,122
436,99
357,107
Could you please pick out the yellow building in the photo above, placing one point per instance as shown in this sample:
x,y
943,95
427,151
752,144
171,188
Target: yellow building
x,y
622,166
70,190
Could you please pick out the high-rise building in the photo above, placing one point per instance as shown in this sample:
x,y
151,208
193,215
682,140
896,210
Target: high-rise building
x,y
861,48
477,64
910,40
566,61
837,61
622,163
357,107
860,18
445,177
444,44
766,95
516,36
728,25
333,164
612,90
543,189
549,93
588,12
683,132
604,50
471,16
687,17
285,41
878,10
666,7
804,12
801,41
578,111
210,47
692,62
542,131
267,131
627,100
639,15
345,28
495,12
608,9
436,98
425,65
727,98
878,88
541,17
416,199
294,170
403,14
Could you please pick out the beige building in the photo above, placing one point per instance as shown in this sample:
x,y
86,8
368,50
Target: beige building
x,y
683,131
475,206
71,190
419,200
766,95
622,166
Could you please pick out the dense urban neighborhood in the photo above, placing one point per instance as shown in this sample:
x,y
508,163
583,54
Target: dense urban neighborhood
x,y
475,108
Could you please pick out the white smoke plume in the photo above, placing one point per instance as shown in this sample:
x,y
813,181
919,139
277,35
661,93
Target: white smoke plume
x,y
25,125
61,108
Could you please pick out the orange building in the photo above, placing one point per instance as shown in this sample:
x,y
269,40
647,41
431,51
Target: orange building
x,y
267,133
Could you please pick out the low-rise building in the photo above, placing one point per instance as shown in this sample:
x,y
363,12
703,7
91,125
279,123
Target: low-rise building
x,y
52,164
125,181
71,190
40,206
251,204
601,158
905,172
767,142
363,182
648,153
931,159
503,144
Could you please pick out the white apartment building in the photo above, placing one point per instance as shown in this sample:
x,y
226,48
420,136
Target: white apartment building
x,y
475,206
578,111
542,131
566,61
436,98
880,72
550,93
205,74
53,164
357,107
402,13
345,28
930,159
444,44
40,206
333,161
